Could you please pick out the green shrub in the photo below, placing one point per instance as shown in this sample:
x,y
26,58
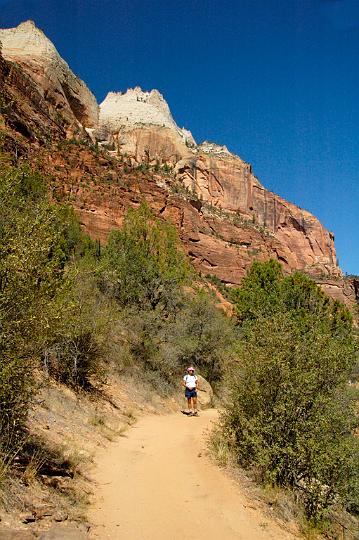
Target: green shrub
x,y
203,335
32,257
38,241
144,264
146,348
75,361
291,413
76,342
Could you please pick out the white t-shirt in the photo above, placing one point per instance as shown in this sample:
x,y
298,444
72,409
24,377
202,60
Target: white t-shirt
x,y
190,381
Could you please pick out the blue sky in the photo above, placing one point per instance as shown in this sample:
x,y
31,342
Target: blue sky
x,y
275,80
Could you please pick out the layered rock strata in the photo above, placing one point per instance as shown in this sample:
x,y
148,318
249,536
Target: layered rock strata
x,y
221,181
72,104
225,217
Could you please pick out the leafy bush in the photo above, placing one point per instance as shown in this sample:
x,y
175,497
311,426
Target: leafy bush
x,y
33,251
145,348
291,413
76,343
143,263
203,335
38,243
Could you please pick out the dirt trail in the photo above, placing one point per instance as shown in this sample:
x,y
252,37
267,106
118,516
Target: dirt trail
x,y
157,484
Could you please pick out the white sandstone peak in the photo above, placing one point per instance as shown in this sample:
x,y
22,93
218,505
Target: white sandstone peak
x,y
27,24
135,107
26,40
28,45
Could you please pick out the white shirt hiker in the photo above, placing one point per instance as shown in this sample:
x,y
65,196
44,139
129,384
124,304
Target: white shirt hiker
x,y
191,381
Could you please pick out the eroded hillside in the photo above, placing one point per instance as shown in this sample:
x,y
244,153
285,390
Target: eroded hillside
x,y
130,149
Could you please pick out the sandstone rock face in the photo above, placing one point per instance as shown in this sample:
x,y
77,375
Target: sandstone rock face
x,y
72,101
140,126
122,111
226,183
345,290
225,217
149,145
24,106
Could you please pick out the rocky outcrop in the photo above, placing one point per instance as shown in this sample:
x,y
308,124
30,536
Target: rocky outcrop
x,y
23,106
140,126
72,104
345,290
225,217
135,107
226,183
122,111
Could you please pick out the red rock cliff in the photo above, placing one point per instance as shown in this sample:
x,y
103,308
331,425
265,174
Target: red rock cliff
x,y
225,217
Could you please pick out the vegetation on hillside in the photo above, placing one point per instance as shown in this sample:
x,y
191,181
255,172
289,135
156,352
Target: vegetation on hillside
x,y
163,327
71,309
290,414
35,246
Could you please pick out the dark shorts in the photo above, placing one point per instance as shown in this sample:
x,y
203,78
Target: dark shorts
x,y
190,393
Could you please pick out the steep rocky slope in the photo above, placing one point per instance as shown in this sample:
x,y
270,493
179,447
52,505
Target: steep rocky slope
x,y
72,104
139,125
225,217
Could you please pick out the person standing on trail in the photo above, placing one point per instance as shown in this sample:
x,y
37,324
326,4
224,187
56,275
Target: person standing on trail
x,y
190,382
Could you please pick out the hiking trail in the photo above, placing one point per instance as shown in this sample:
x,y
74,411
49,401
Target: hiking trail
x,y
158,483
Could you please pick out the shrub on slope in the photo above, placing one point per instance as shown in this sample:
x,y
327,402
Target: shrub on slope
x,y
291,413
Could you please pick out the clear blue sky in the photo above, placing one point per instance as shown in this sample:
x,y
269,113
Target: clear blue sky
x,y
277,81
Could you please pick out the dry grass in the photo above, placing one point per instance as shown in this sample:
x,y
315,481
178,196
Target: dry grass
x,y
219,449
33,467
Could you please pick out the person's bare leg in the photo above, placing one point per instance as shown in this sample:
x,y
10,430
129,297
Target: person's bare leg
x,y
189,404
194,402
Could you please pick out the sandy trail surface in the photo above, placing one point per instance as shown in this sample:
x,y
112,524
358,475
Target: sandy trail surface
x,y
158,483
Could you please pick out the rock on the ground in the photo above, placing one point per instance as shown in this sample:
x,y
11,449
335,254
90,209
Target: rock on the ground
x,y
64,532
16,534
205,395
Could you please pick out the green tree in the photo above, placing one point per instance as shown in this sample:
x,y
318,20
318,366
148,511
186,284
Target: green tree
x,y
203,335
32,256
259,293
291,413
37,241
143,263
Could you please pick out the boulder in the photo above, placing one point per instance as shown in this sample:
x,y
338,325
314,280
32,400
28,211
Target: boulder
x,y
64,532
12,534
205,395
